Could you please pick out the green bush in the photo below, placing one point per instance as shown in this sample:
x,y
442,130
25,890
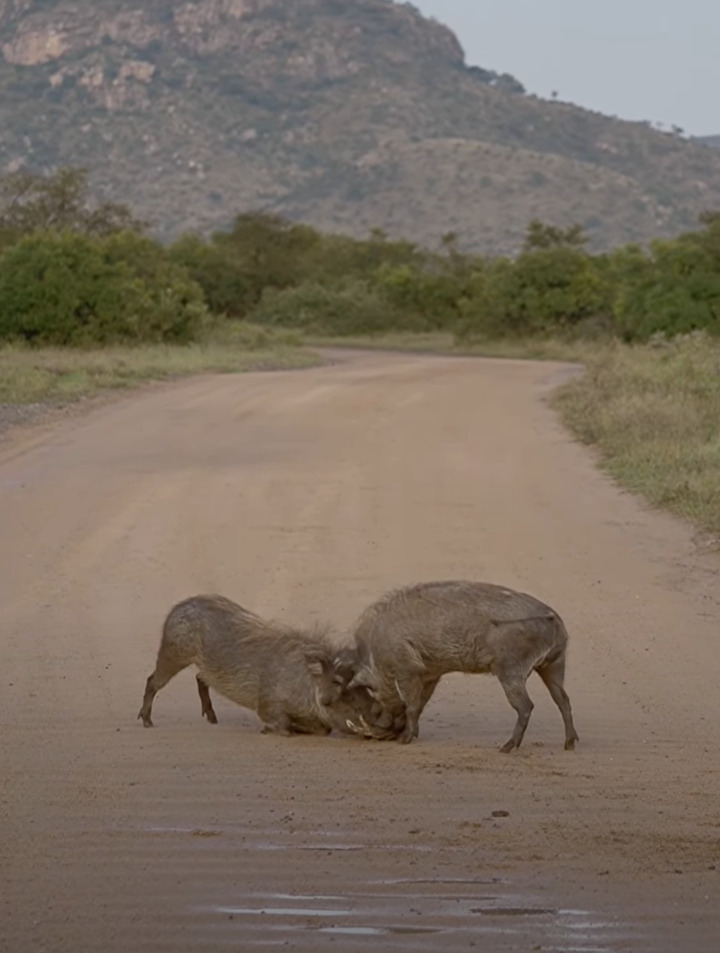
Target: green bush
x,y
174,308
548,291
430,298
70,289
267,251
673,290
216,269
354,308
340,257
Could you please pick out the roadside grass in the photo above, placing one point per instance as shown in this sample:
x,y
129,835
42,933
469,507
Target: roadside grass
x,y
58,376
653,412
444,342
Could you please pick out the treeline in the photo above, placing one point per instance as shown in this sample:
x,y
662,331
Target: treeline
x,y
76,274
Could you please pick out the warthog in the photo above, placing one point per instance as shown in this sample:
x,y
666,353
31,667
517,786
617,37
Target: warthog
x,y
410,638
284,675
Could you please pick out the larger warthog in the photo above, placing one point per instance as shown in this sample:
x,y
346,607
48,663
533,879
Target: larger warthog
x,y
410,638
285,675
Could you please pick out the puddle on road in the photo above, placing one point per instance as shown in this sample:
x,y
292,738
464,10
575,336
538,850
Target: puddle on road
x,y
354,931
473,882
410,847
411,910
283,912
512,911
380,931
458,918
272,845
317,897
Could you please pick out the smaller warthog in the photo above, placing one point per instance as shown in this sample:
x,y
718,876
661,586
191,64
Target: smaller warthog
x,y
284,675
410,638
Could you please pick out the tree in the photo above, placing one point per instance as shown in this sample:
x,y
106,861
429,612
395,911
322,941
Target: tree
x,y
268,251
539,235
30,202
216,269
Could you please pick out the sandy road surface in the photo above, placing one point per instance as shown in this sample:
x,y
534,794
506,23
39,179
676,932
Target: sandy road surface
x,y
305,495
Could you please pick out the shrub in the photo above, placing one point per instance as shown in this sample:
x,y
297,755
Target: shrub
x,y
70,289
216,269
430,300
674,290
173,304
542,292
354,308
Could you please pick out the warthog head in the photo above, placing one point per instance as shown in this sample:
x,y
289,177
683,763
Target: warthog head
x,y
361,682
329,682
352,709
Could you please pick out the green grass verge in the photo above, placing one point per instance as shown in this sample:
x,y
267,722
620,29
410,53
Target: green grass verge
x,y
653,412
62,375
443,342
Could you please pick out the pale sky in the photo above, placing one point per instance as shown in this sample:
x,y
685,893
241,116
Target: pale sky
x,y
635,59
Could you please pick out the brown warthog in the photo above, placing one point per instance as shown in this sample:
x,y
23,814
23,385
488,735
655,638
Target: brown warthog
x,y
284,674
410,638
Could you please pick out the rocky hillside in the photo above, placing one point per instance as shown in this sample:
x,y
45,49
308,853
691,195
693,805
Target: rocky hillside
x,y
349,114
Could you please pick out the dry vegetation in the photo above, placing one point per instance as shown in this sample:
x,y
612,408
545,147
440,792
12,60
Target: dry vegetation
x,y
653,412
58,376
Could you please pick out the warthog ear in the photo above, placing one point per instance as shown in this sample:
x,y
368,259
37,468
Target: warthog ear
x,y
362,679
316,665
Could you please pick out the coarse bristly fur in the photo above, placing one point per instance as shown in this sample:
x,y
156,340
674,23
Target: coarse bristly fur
x,y
411,637
282,673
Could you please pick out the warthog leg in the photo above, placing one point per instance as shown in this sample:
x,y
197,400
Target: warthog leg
x,y
167,667
516,693
415,693
553,674
207,707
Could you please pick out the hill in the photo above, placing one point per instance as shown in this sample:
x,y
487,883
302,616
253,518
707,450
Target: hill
x,y
348,114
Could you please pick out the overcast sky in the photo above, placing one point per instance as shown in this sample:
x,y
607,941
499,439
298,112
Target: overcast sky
x,y
635,59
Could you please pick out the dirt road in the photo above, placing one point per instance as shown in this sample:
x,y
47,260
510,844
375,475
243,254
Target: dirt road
x,y
304,495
